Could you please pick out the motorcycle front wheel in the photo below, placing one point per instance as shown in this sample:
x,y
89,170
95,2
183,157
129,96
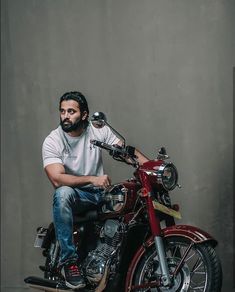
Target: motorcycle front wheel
x,y
201,269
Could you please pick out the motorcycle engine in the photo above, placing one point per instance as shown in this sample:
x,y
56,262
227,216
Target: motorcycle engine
x,y
114,198
97,260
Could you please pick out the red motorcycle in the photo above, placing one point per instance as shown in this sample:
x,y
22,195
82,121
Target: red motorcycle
x,y
132,242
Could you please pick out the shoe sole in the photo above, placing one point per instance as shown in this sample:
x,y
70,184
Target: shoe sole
x,y
48,289
69,285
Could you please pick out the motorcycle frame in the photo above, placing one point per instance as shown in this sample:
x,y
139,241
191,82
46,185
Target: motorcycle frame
x,y
194,234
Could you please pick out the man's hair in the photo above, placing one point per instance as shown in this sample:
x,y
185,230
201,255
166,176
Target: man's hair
x,y
80,99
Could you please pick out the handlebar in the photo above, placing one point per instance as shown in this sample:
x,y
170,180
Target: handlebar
x,y
103,145
124,154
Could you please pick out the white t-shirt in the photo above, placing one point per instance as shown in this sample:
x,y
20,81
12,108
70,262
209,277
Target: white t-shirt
x,y
77,154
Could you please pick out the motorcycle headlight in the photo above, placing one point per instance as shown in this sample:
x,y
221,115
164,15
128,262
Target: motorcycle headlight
x,y
167,175
114,198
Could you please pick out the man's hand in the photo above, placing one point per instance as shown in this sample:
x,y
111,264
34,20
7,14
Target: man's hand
x,y
101,181
141,158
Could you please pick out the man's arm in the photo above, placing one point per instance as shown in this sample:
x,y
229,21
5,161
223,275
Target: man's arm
x,y
58,177
141,157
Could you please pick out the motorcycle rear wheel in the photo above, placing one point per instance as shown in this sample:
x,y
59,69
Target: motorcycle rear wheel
x,y
201,270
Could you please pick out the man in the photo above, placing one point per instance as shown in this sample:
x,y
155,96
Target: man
x,y
74,167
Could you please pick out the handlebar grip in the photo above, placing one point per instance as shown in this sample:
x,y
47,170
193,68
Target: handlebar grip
x,y
101,144
117,152
96,143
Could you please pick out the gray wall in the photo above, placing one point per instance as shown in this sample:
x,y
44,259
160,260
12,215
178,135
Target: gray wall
x,y
160,69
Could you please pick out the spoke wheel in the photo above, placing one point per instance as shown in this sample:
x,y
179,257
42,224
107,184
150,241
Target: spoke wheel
x,y
200,272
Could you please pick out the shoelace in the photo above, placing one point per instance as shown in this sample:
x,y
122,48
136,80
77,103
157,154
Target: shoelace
x,y
73,270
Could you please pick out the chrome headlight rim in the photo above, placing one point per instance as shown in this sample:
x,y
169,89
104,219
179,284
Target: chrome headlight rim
x,y
160,174
114,198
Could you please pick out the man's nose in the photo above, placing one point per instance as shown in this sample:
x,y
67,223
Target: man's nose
x,y
66,115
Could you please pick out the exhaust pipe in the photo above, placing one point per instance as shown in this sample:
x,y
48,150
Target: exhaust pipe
x,y
45,284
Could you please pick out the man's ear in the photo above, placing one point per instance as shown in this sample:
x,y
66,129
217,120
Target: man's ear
x,y
84,115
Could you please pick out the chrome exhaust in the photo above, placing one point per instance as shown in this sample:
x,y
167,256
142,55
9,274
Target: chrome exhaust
x,y
45,284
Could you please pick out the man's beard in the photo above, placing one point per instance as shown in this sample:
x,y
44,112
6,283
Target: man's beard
x,y
68,126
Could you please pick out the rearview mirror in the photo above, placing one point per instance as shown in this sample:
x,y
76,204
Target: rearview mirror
x,y
98,119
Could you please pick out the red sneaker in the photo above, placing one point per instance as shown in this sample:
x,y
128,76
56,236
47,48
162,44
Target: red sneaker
x,y
72,275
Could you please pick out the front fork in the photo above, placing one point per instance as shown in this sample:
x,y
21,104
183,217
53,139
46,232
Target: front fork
x,y
156,231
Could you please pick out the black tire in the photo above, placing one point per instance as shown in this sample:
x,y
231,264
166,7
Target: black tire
x,y
201,270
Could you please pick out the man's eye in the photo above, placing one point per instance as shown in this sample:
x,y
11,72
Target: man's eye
x,y
71,111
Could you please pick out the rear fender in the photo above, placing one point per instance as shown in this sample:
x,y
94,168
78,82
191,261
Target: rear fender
x,y
192,233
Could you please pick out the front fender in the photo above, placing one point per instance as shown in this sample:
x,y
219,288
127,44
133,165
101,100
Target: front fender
x,y
192,233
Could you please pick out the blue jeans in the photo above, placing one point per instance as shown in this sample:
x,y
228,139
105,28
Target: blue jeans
x,y
67,202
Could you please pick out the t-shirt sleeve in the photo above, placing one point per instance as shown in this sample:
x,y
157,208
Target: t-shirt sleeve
x,y
50,153
110,137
